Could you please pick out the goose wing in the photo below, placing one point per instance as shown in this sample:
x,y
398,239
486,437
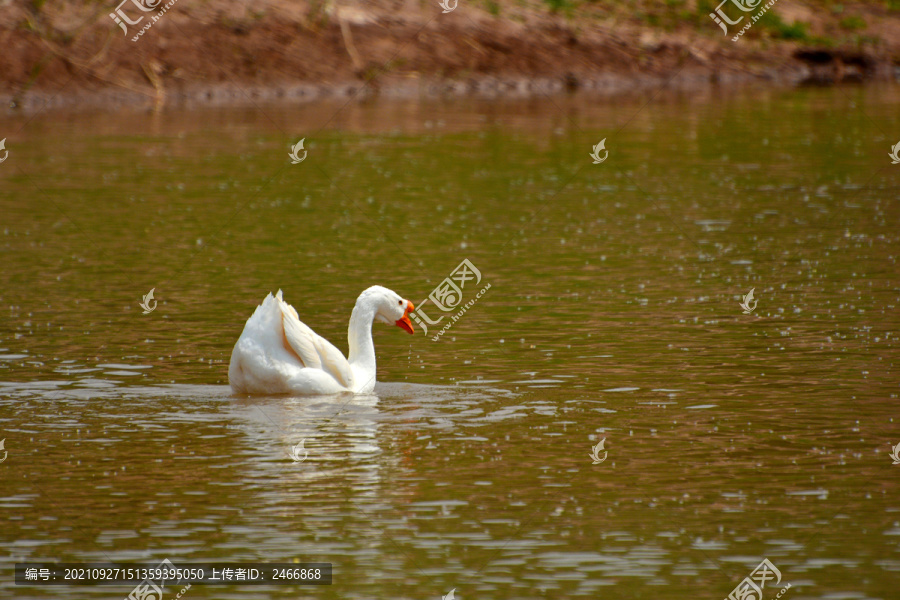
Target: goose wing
x,y
314,351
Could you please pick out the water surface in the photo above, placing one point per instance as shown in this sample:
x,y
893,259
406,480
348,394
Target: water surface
x,y
613,313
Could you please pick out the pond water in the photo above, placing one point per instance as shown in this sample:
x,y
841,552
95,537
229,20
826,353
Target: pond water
x,y
613,313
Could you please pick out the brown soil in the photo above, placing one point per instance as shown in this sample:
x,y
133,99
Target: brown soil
x,y
223,51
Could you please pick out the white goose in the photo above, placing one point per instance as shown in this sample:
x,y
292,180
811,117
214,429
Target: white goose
x,y
278,354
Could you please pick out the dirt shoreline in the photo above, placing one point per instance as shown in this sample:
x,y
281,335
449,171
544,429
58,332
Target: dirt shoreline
x,y
223,53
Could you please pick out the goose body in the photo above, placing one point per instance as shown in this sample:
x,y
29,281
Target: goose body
x,y
278,354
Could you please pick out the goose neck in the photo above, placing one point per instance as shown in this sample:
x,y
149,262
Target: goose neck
x,y
359,335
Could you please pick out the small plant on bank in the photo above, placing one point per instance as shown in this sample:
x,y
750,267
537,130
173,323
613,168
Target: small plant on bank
x,y
781,30
853,23
560,5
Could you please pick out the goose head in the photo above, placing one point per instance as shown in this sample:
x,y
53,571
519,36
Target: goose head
x,y
390,308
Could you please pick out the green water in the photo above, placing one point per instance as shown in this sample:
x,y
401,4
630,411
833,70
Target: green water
x,y
613,313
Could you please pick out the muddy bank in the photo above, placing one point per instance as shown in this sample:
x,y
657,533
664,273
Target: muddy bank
x,y
221,52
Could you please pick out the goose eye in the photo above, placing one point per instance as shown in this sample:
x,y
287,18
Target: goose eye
x,y
400,302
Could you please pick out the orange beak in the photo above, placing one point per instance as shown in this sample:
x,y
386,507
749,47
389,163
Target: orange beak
x,y
404,322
